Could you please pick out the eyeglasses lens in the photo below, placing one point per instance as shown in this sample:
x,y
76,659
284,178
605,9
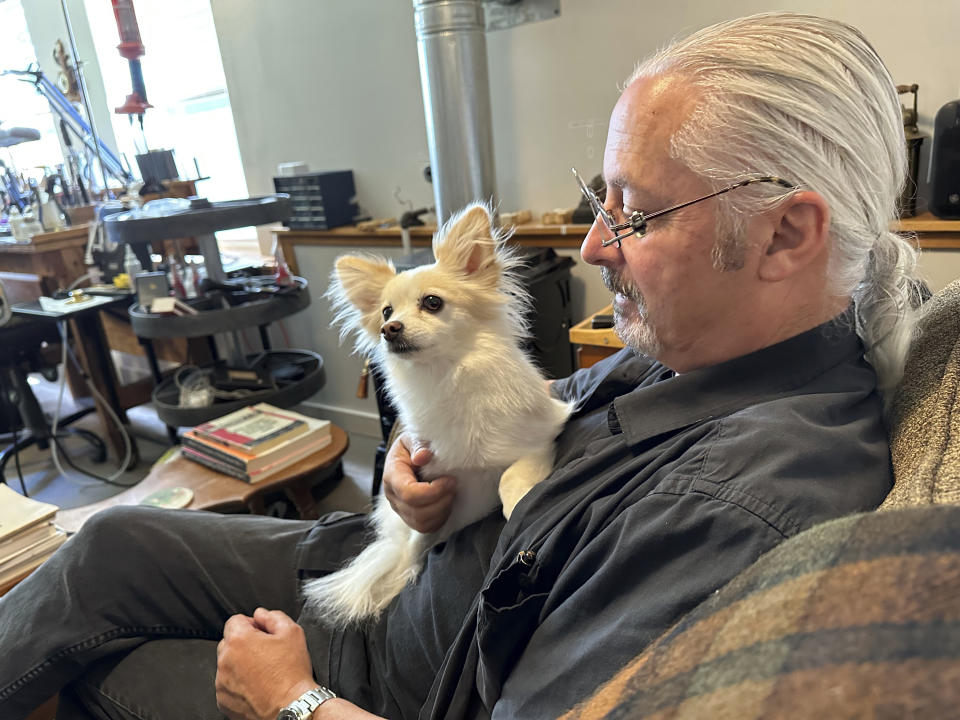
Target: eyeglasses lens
x,y
595,205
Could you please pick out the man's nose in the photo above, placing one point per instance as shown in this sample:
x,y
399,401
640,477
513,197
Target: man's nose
x,y
392,330
592,250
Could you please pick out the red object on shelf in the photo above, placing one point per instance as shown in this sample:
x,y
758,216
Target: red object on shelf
x,y
130,45
133,105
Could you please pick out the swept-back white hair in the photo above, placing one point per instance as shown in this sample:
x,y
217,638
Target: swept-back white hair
x,y
807,99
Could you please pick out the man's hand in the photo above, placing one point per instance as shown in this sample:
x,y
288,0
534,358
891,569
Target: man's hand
x,y
424,506
262,665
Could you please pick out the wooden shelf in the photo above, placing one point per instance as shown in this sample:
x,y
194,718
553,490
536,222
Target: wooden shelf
x,y
529,235
931,233
73,237
927,223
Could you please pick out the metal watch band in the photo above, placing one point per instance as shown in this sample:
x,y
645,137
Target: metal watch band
x,y
305,705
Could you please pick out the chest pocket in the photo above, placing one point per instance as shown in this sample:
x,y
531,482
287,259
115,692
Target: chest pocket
x,y
507,616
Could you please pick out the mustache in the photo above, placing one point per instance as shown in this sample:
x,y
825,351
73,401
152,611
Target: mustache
x,y
619,285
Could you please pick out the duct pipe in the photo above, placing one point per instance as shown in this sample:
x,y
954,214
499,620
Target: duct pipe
x,y
456,97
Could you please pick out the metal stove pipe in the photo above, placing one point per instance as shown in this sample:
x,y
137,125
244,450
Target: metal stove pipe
x,y
452,48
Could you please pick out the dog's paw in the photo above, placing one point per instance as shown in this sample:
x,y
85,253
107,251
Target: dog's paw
x,y
518,479
512,488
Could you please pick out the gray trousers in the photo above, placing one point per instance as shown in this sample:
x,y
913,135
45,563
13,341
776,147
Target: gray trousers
x,y
135,574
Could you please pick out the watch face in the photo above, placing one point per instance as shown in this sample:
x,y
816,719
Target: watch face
x,y
287,714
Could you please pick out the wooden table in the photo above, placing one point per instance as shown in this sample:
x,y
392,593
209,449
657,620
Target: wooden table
x,y
218,492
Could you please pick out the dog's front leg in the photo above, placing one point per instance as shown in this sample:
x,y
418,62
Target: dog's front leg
x,y
517,480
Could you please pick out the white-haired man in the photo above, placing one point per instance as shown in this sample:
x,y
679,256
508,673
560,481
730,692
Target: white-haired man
x,y
751,172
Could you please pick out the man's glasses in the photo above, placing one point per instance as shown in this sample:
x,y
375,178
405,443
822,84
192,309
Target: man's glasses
x,y
636,224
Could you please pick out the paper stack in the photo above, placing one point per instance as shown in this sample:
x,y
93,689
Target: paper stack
x,y
27,535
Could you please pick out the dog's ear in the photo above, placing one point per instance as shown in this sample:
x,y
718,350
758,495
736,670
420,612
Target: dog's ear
x,y
466,243
361,280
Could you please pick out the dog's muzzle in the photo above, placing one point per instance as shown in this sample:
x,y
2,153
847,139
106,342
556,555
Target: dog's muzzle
x,y
396,342
392,330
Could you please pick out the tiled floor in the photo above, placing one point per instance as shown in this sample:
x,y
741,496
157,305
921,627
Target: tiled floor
x,y
44,481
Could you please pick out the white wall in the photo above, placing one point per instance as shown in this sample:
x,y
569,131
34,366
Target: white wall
x,y
334,83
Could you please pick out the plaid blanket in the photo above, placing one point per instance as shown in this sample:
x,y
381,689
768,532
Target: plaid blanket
x,y
855,618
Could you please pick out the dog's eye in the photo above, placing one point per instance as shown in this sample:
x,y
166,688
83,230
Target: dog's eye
x,y
387,312
431,303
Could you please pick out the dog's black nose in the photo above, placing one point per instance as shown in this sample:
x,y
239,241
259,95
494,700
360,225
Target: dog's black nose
x,y
392,330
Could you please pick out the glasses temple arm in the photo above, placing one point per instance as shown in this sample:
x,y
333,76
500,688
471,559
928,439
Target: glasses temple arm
x,y
699,199
640,218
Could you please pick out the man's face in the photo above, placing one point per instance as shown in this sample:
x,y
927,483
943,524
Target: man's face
x,y
670,302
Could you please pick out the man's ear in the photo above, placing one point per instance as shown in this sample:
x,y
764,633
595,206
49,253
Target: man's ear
x,y
466,243
360,281
801,231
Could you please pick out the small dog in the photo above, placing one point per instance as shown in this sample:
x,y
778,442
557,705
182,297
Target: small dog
x,y
447,337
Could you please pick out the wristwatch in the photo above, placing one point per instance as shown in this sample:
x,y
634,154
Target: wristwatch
x,y
303,706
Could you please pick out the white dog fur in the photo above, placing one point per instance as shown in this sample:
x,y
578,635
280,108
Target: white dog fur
x,y
458,380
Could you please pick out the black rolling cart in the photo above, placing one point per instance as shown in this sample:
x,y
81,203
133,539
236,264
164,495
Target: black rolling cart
x,y
227,305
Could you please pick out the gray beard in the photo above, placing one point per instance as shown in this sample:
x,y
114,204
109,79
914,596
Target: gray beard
x,y
635,332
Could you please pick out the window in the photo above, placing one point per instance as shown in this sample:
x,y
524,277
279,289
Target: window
x,y
183,75
184,78
20,104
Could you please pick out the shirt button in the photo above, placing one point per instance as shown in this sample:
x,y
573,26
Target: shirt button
x,y
527,557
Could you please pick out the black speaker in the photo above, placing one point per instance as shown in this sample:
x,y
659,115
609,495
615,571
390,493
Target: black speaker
x,y
945,163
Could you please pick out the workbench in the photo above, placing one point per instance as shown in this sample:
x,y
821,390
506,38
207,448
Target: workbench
x,y
930,233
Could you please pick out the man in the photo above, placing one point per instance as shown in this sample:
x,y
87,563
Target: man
x,y
752,170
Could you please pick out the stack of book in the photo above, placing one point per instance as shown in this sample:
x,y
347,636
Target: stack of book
x,y
255,442
27,535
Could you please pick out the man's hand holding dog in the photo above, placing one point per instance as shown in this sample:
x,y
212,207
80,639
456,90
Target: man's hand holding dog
x,y
424,506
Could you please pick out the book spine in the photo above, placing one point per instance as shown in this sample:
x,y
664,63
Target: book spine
x,y
213,452
213,464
